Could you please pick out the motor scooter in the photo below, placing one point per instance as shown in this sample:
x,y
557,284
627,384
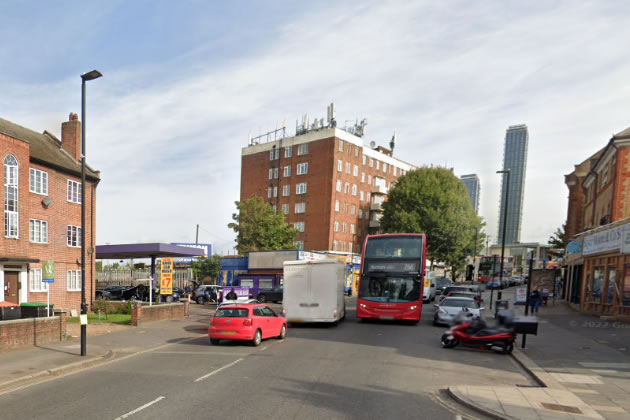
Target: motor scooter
x,y
475,333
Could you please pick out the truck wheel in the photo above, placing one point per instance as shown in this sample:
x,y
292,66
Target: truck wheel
x,y
262,298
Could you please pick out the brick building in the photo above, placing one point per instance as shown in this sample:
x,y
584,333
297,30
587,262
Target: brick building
x,y
42,215
598,262
328,184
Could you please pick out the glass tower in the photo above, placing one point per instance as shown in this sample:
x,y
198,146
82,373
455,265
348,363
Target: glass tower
x,y
514,159
472,185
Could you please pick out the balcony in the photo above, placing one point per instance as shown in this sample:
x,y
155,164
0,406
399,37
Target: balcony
x,y
379,189
376,206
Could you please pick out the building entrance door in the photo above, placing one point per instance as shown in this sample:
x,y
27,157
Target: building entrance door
x,y
12,291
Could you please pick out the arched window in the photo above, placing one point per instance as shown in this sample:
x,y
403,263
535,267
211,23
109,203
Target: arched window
x,y
11,199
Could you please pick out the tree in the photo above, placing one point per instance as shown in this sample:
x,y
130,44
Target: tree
x,y
435,202
557,241
258,227
207,267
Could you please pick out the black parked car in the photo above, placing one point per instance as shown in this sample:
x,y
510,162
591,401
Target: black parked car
x,y
199,294
441,284
111,292
270,295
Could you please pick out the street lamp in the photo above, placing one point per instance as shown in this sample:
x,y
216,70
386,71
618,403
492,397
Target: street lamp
x,y
91,75
507,191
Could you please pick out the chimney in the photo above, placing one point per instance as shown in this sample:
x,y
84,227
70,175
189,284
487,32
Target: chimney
x,y
71,136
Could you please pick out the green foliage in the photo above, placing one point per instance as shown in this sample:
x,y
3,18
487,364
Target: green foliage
x,y
557,241
259,228
101,306
99,265
207,267
435,202
93,318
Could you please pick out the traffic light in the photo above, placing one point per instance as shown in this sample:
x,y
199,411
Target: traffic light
x,y
469,272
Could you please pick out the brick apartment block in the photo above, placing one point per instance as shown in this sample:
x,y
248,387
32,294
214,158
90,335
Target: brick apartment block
x,y
325,181
42,215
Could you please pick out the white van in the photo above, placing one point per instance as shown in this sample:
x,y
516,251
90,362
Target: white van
x,y
314,291
429,291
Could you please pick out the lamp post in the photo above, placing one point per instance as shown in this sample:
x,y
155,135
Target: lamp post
x,y
475,254
507,191
91,75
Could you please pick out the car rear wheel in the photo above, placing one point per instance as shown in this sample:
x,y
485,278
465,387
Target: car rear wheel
x,y
200,300
214,341
283,332
262,298
257,338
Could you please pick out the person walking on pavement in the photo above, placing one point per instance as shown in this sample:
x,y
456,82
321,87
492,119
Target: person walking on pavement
x,y
534,300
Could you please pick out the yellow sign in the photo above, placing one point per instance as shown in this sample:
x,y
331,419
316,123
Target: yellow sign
x,y
166,277
427,283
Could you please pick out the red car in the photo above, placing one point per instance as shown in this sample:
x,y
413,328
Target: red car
x,y
246,322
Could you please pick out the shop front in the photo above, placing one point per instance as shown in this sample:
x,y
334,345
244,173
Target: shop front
x,y
606,271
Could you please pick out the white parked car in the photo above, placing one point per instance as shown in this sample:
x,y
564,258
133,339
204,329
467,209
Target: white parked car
x,y
449,307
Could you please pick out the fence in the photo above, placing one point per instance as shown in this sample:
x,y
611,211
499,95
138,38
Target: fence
x,y
127,277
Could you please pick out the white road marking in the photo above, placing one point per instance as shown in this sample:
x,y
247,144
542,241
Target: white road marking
x,y
214,372
458,417
263,348
124,416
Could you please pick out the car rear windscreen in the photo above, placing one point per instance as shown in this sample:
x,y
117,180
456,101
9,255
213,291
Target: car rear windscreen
x,y
232,313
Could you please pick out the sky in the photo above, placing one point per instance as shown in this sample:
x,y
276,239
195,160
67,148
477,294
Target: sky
x,y
184,84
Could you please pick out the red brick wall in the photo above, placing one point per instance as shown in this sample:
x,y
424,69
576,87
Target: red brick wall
x,y
321,190
59,215
144,313
32,331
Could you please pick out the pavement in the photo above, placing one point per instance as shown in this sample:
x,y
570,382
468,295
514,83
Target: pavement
x,y
28,365
580,362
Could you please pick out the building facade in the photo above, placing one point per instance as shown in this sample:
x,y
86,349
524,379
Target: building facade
x,y
327,183
472,185
598,230
514,159
42,215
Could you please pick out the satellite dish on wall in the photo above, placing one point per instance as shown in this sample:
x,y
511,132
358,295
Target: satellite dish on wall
x,y
372,144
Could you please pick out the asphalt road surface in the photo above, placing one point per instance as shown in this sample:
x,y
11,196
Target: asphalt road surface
x,y
353,370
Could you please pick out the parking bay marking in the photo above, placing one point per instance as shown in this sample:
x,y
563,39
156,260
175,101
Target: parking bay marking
x,y
124,416
214,372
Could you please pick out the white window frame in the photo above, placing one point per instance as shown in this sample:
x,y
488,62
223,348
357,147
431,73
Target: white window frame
x,y
395,170
275,172
11,187
73,236
74,192
340,145
344,227
338,186
355,170
34,176
299,226
285,209
369,179
361,197
339,166
346,188
356,151
271,154
348,167
300,208
364,160
275,191
300,188
286,190
275,208
384,167
334,245
336,226
337,206
73,283
35,282
360,213
299,245
38,231
277,153
269,191
354,189
378,165
302,149
350,247
287,171
302,168
352,228
362,177
270,173
353,209
371,163
288,152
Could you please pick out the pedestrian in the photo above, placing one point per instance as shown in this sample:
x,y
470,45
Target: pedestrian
x,y
534,300
231,295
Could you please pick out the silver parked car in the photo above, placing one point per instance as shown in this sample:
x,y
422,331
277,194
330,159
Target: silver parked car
x,y
449,307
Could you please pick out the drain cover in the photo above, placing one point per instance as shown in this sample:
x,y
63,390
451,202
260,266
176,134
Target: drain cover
x,y
564,408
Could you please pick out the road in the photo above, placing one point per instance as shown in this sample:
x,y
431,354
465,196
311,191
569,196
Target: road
x,y
353,370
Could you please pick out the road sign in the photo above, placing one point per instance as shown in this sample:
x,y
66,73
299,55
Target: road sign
x,y
166,277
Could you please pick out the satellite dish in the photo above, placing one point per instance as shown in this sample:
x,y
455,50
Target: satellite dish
x,y
372,144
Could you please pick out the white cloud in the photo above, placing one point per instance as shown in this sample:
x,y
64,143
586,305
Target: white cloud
x,y
450,78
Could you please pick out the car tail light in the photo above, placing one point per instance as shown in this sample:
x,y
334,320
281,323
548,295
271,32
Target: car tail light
x,y
247,322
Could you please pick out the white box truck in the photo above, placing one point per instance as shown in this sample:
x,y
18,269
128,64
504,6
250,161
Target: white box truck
x,y
314,291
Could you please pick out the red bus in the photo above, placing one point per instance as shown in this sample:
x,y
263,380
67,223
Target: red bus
x,y
490,267
392,276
